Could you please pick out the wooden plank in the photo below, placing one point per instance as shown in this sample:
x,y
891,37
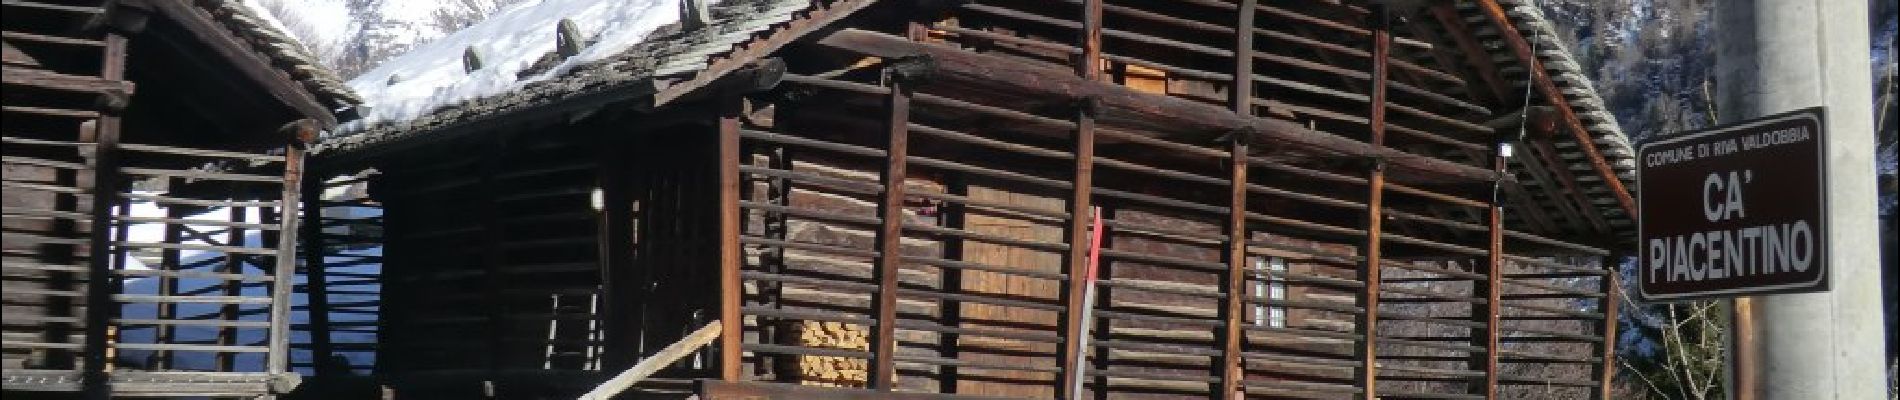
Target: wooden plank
x,y
57,81
200,152
36,38
666,356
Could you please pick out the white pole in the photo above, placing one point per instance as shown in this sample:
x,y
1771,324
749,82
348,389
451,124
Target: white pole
x,y
1781,55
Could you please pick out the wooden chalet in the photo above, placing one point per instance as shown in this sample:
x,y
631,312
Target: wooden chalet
x,y
901,198
196,109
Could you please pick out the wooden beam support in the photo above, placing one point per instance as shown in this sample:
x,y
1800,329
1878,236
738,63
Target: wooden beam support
x,y
1366,374
302,132
731,257
316,279
169,261
890,233
1089,67
1185,120
1232,369
1492,289
105,189
1610,284
1548,88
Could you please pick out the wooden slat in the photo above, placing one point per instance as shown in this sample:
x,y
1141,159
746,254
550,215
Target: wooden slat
x,y
187,174
197,202
183,151
51,112
40,5
200,247
29,37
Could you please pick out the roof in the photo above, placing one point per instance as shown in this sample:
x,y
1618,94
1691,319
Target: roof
x,y
1578,91
668,57
283,52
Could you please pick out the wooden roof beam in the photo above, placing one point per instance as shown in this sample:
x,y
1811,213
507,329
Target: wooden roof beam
x,y
246,60
1475,55
1447,59
1548,88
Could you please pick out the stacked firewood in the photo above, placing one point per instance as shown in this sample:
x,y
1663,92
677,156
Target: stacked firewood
x,y
831,371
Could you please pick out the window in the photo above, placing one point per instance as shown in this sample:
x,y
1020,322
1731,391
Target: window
x,y
1269,283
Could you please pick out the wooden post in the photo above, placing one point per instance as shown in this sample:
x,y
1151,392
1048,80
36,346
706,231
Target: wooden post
x,y
1491,289
316,279
951,311
1366,375
278,360
1610,285
889,237
233,264
105,169
1074,294
169,260
731,292
493,242
1232,368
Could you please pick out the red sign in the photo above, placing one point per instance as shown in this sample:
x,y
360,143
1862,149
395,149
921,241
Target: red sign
x,y
1734,210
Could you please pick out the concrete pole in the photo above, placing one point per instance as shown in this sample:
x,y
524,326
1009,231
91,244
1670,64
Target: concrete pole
x,y
1780,55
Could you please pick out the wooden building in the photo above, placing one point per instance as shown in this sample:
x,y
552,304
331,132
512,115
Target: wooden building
x,y
196,109
902,198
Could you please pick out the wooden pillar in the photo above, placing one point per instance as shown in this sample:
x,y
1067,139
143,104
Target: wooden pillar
x,y
105,169
1609,285
889,237
950,310
284,273
1491,289
493,249
316,275
1232,367
615,235
169,262
1074,295
731,292
1366,375
233,264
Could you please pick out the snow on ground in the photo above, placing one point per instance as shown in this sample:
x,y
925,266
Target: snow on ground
x,y
432,75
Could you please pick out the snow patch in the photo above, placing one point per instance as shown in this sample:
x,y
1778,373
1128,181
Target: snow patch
x,y
431,75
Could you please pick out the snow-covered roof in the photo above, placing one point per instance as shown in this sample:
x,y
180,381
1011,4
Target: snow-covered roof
x,y
630,45
283,52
